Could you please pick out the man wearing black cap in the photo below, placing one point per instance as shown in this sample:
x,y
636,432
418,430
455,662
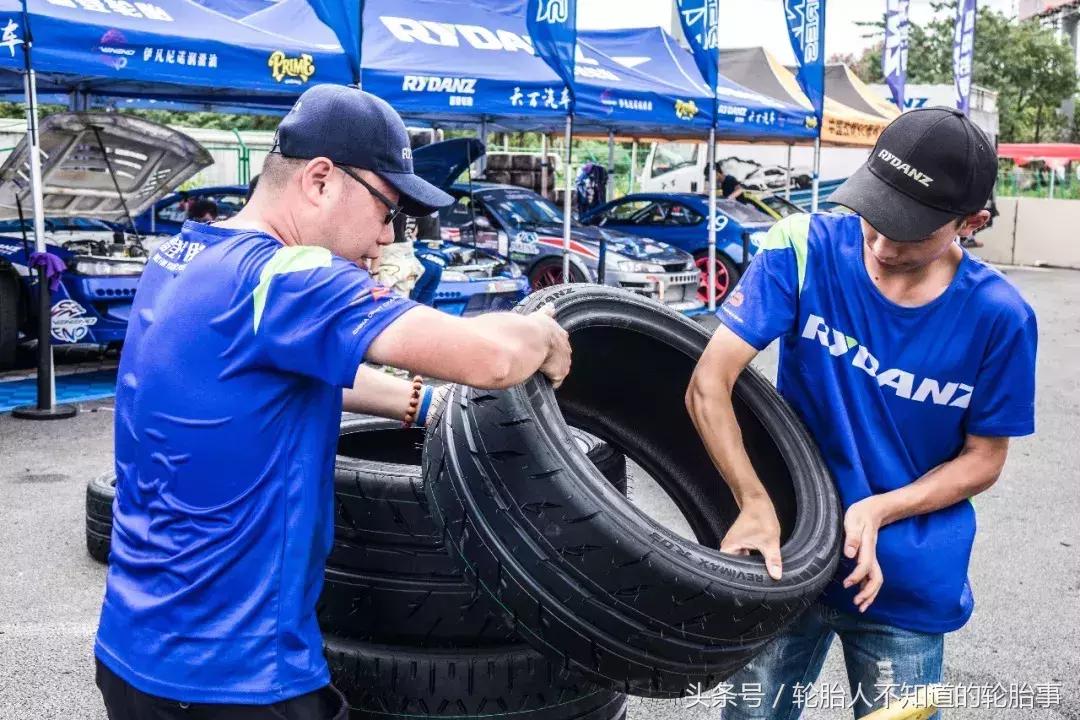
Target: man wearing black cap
x,y
245,342
912,363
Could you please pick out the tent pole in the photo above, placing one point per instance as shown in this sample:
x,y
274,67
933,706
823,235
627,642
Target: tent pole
x,y
787,187
610,163
544,164
481,163
817,173
712,220
46,407
633,167
566,200
1053,174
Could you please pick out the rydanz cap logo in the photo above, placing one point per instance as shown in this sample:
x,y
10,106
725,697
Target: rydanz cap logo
x,y
406,153
913,173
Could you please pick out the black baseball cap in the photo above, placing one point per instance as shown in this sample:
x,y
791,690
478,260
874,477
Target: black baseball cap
x,y
929,166
355,128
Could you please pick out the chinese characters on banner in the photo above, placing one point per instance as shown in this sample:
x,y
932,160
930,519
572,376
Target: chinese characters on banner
x,y
894,55
963,52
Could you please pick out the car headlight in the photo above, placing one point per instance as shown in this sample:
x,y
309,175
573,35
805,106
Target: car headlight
x,y
690,264
108,267
636,266
757,238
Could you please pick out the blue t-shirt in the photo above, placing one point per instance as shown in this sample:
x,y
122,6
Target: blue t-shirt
x,y
228,404
890,392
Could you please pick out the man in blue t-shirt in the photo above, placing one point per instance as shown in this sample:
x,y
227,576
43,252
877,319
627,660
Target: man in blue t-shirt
x,y
912,363
245,343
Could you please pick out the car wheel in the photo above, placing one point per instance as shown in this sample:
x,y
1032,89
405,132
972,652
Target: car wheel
x,y
587,577
549,272
727,275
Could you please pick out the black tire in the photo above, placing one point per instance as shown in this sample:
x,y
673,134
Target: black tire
x,y
507,683
9,317
589,579
100,493
389,577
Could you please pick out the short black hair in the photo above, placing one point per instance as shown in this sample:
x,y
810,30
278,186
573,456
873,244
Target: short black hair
x,y
201,208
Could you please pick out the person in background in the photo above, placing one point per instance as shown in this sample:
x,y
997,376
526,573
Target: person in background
x,y
728,185
202,210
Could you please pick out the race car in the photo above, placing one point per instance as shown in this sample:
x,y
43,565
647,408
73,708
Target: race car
x,y
86,157
679,219
168,214
529,228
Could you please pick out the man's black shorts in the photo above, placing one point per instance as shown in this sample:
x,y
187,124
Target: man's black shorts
x,y
123,702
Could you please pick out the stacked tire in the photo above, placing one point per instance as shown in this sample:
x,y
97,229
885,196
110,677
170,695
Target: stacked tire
x,y
406,633
100,493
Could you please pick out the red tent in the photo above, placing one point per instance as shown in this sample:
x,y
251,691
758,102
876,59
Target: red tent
x,y
1053,154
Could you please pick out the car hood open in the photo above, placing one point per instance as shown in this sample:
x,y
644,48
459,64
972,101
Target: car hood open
x,y
148,159
441,163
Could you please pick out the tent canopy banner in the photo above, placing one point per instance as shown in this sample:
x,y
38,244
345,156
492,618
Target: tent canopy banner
x,y
220,47
757,69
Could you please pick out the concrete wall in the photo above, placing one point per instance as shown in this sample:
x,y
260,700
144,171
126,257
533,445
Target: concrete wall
x,y
1034,231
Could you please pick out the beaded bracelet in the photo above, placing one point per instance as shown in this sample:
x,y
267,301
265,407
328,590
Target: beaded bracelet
x,y
414,402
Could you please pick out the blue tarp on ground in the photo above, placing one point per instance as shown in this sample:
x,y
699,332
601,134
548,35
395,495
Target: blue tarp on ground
x,y
239,50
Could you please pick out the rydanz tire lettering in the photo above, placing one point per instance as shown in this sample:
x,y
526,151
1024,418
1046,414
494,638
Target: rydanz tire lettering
x,y
951,394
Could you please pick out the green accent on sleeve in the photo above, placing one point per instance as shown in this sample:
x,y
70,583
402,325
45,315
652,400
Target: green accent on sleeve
x,y
791,232
851,342
288,259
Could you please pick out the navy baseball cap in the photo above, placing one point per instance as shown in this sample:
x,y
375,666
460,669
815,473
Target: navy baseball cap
x,y
355,128
929,167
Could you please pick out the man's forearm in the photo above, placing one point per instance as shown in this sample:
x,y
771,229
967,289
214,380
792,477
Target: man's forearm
x,y
974,470
524,350
709,403
378,393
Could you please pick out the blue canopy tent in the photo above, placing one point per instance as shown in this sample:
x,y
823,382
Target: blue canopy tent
x,y
658,79
455,63
172,49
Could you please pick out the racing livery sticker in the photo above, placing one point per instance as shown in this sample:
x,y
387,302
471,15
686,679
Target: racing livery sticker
x,y
69,321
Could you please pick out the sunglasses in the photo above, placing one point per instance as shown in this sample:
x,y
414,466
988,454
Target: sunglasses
x,y
393,209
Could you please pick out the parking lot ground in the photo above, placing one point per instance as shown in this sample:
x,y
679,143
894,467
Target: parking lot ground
x,y
1025,569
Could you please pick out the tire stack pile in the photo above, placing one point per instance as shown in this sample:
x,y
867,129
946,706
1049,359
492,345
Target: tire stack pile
x,y
406,634
520,170
510,577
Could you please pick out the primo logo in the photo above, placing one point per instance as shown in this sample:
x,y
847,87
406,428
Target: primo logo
x,y
552,11
952,394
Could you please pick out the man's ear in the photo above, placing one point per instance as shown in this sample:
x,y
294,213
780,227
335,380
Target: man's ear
x,y
314,178
973,222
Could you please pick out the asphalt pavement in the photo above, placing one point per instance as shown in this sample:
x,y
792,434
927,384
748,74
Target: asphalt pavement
x,y
1025,569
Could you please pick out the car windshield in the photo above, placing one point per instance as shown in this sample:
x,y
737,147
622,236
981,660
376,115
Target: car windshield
x,y
781,206
741,213
522,210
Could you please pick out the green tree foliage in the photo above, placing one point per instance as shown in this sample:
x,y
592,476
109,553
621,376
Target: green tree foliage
x,y
1032,72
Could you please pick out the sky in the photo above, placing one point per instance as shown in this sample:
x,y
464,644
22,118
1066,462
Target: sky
x,y
746,23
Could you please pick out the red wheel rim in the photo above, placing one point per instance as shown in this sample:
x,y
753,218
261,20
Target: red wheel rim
x,y
548,276
723,280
